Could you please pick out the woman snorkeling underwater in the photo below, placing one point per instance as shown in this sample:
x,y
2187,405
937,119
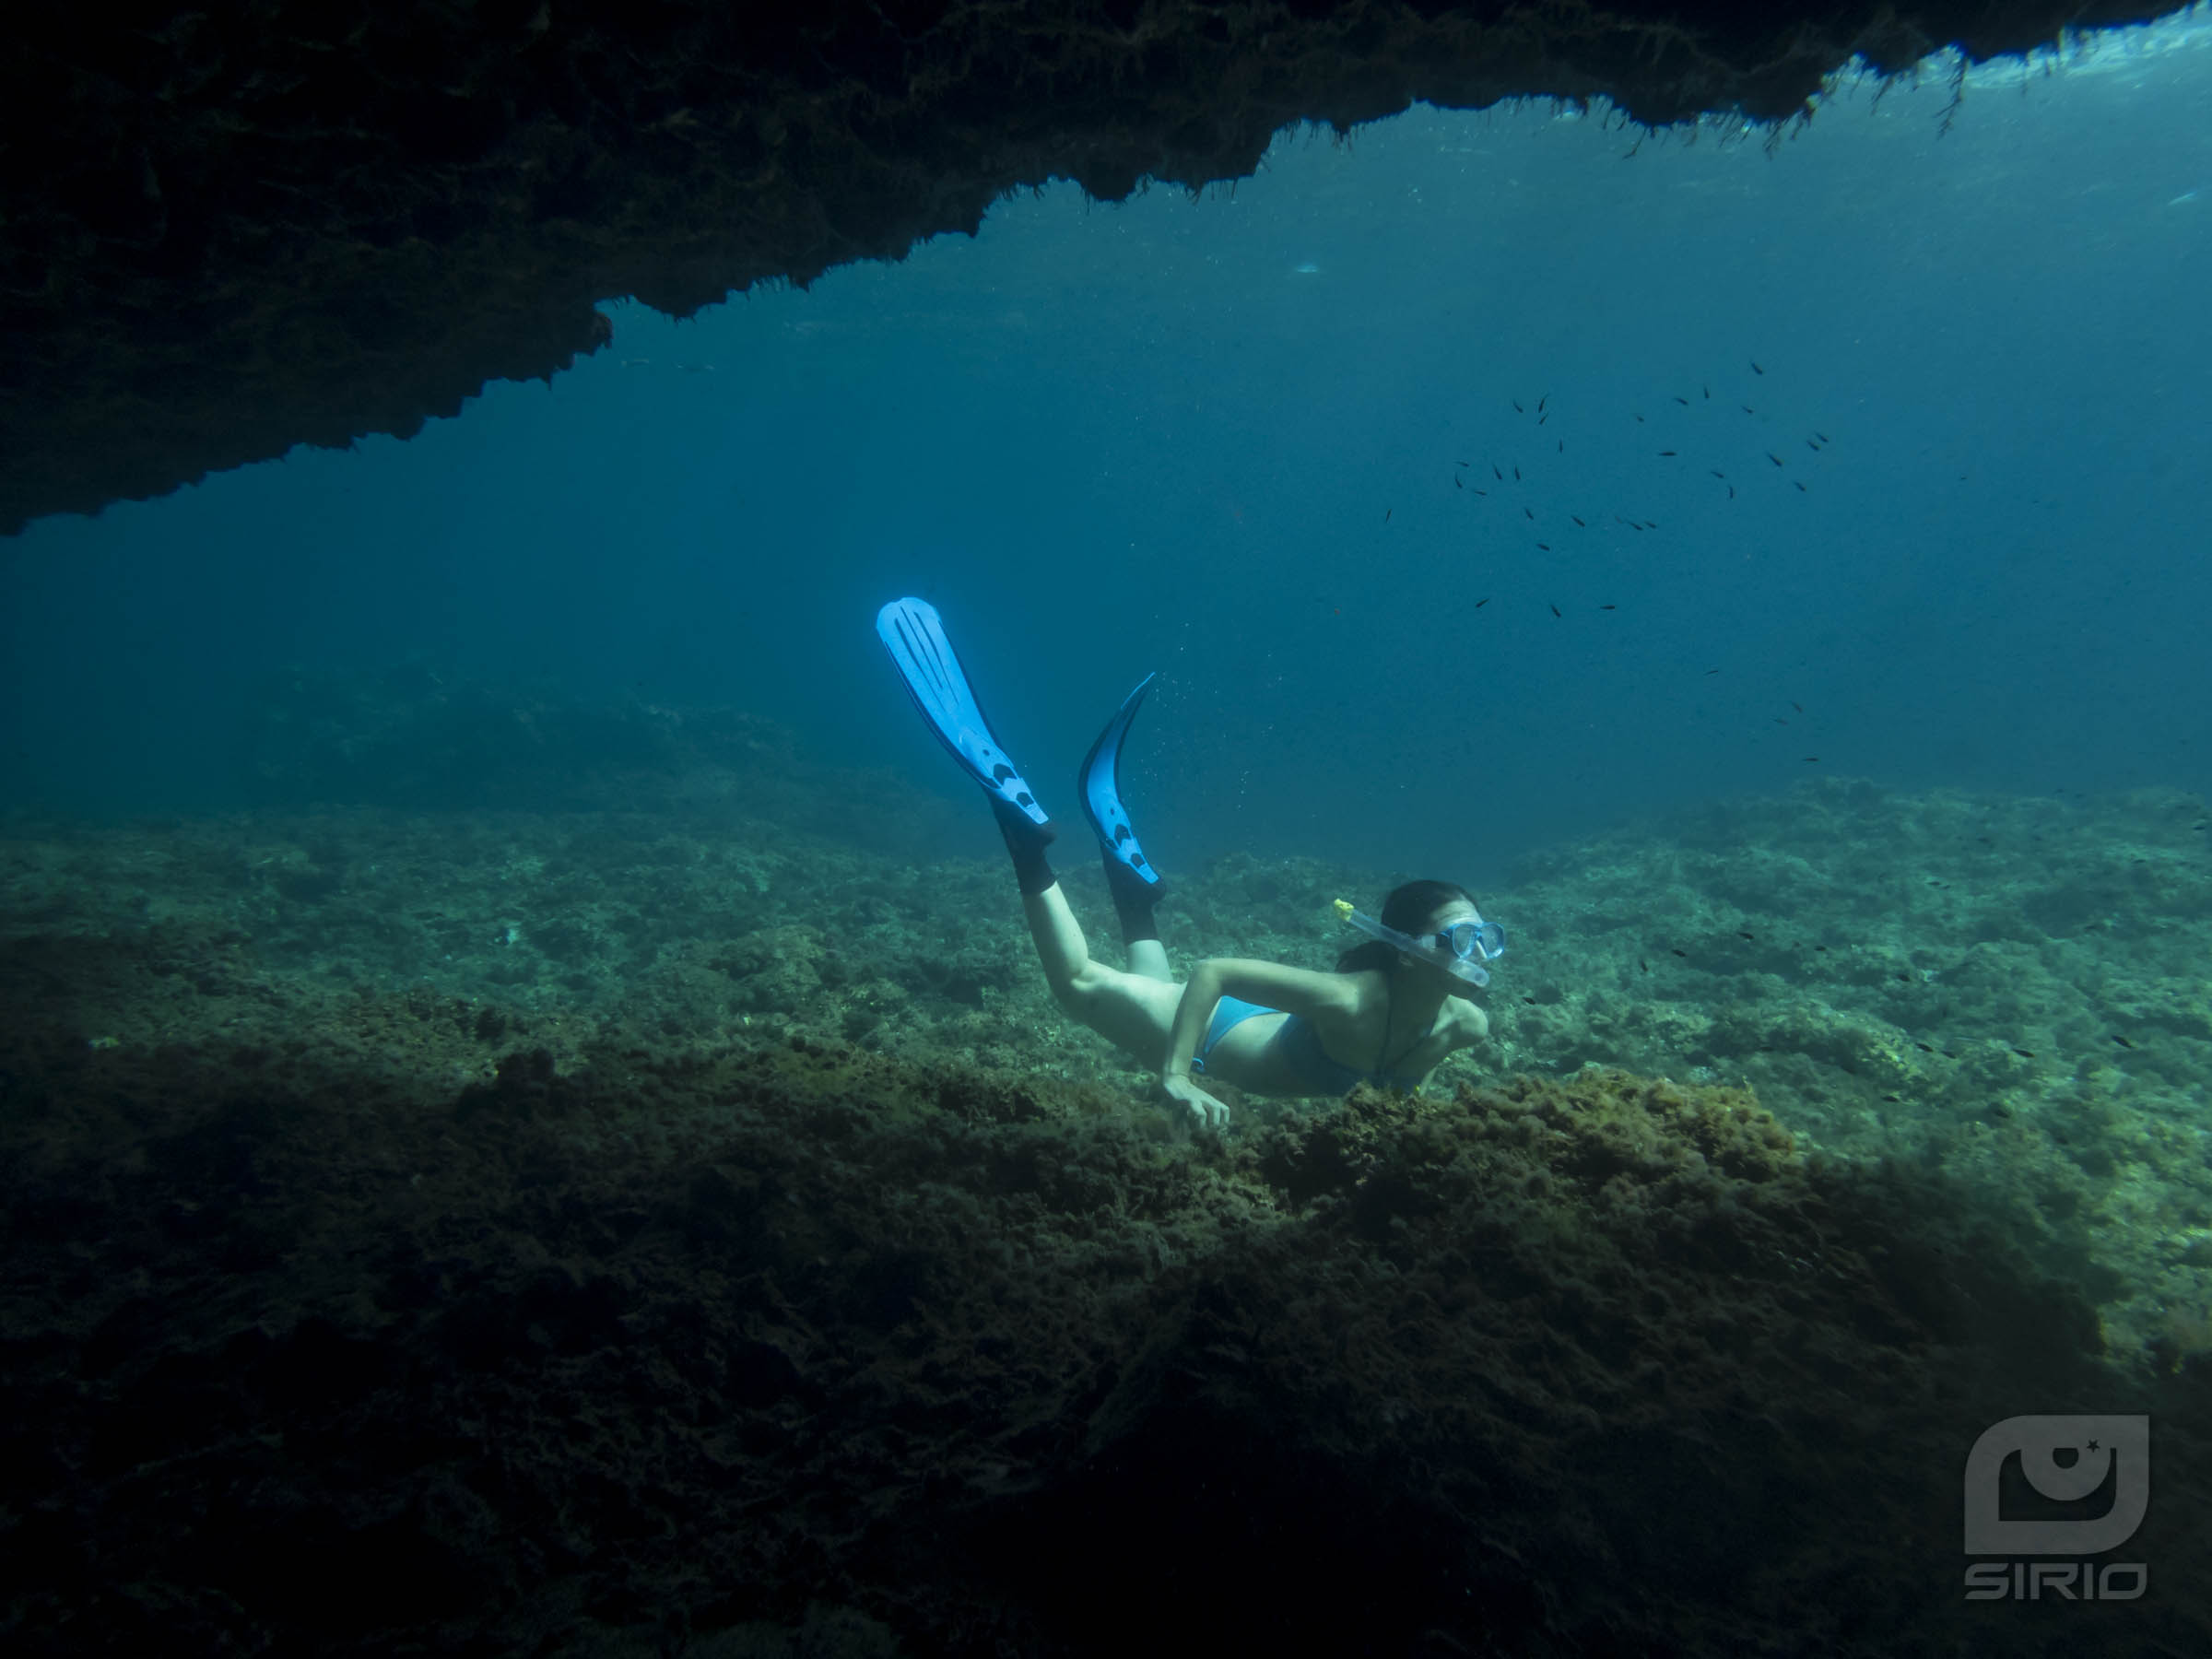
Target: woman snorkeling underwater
x,y
1394,1006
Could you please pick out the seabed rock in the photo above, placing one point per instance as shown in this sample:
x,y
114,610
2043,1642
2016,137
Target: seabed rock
x,y
807,1350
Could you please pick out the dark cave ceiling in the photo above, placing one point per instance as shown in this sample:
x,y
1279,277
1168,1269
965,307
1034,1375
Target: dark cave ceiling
x,y
231,229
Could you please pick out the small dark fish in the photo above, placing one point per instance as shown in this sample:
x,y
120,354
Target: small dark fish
x,y
1650,523
1386,512
1746,409
1542,418
1823,436
1480,602
1532,517
1482,492
1542,401
1563,446
1893,1097
1812,759
1756,370
1820,948
1516,475
1779,721
1799,485
1732,492
1717,472
1926,1048
1643,964
1543,547
2122,1041
1681,953
1798,706
1707,393
2025,1054
1555,610
1713,670
1495,473
1578,522
1634,526
1609,608
1742,935
1457,484
1639,418
1683,401
1773,457
1666,452
1530,1001
1811,445
1517,409
1459,464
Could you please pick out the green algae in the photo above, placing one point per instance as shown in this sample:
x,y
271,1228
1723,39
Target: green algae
x,y
2008,989
963,1350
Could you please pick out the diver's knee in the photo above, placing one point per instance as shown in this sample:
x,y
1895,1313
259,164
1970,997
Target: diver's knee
x,y
1078,991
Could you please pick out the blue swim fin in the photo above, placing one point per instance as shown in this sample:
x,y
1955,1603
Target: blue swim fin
x,y
915,638
1102,782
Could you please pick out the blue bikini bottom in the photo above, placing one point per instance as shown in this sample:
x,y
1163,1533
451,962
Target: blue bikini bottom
x,y
1300,1046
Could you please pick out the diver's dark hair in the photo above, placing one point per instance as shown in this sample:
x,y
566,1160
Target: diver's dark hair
x,y
1406,908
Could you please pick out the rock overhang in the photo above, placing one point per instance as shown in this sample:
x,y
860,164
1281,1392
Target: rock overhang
x,y
236,228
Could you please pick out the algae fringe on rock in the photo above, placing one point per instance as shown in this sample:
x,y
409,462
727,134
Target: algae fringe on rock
x,y
851,1324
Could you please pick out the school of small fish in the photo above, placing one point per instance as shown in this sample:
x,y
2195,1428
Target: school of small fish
x,y
1815,440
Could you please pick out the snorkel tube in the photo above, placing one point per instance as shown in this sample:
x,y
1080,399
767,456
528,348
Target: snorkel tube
x,y
1488,943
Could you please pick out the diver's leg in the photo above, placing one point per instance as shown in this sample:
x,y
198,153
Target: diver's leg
x,y
1130,1011
1133,1011
1061,948
1102,998
1149,958
1133,899
1027,842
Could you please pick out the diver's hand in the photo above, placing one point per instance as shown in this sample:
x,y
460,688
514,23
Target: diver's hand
x,y
1206,1112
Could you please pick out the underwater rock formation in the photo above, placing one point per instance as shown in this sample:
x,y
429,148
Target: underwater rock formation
x,y
229,229
658,1354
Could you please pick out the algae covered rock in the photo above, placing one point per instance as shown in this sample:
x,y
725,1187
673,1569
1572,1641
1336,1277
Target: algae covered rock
x,y
1591,1364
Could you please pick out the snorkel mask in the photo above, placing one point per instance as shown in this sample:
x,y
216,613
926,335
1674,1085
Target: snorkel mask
x,y
1460,949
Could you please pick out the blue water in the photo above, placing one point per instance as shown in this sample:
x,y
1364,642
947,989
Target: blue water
x,y
1217,436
